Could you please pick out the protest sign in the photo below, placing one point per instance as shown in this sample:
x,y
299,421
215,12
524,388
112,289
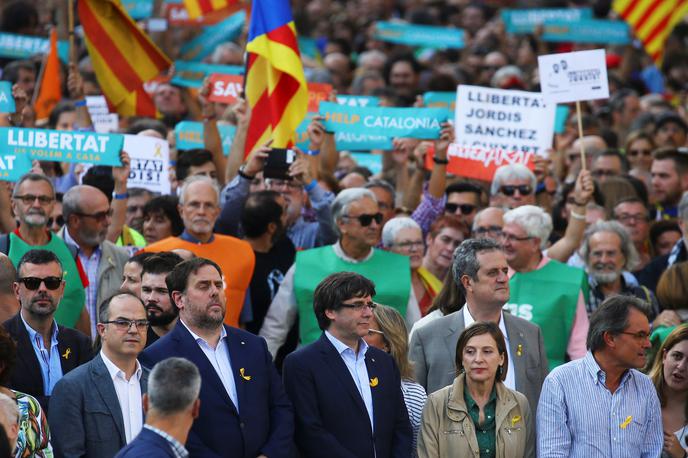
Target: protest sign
x,y
574,76
495,127
588,31
424,123
14,46
6,99
212,36
344,141
225,88
317,92
189,135
358,100
446,100
560,117
138,9
192,74
372,162
150,163
426,36
103,121
524,21
13,166
62,146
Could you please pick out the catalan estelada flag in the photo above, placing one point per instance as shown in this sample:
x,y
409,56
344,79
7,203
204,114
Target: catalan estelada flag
x,y
275,85
198,8
123,57
652,21
50,88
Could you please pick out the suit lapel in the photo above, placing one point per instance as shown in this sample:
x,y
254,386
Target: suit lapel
x,y
517,344
106,389
376,381
67,356
340,371
453,332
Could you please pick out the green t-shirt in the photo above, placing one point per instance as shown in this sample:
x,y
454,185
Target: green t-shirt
x,y
485,433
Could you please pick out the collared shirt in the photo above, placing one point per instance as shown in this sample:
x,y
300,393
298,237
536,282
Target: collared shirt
x,y
579,417
49,360
220,360
191,239
90,265
485,432
177,447
358,370
129,397
510,380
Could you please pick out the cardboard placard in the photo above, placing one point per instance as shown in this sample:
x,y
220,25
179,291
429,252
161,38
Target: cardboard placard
x,y
574,76
317,92
150,163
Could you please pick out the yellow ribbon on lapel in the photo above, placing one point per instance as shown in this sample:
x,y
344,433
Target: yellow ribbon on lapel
x,y
515,419
67,352
244,376
373,382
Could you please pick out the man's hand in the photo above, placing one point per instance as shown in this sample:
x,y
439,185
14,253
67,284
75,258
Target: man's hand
x,y
316,132
300,170
584,188
446,138
667,318
256,163
121,173
242,112
75,83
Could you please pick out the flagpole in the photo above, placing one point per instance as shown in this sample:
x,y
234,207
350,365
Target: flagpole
x,y
70,25
580,134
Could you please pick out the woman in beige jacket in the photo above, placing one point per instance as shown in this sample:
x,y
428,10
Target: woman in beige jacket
x,y
477,416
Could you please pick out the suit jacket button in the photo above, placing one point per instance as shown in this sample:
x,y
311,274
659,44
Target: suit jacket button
x,y
241,425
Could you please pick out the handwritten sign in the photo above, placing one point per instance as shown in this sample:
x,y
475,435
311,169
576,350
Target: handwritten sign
x,y
568,77
150,163
103,121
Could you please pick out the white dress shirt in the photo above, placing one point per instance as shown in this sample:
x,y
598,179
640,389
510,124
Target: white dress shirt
x,y
129,396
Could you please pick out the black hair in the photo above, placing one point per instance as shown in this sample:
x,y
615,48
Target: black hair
x,y
260,210
178,279
166,205
140,258
17,16
612,316
62,106
147,124
337,288
161,263
39,257
191,157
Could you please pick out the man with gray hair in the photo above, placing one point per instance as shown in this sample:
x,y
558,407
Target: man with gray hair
x,y
9,420
480,271
513,185
356,215
171,406
544,291
607,252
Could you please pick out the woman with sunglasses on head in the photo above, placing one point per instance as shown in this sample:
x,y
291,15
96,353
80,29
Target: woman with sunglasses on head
x,y
639,147
477,415
669,374
388,333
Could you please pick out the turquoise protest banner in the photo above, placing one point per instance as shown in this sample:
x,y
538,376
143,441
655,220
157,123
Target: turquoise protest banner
x,y
344,141
6,99
389,122
13,166
358,100
204,44
526,20
419,35
560,117
189,135
309,48
62,146
191,74
15,46
598,31
138,9
372,162
446,100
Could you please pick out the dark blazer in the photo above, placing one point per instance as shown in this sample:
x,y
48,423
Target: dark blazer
x,y
331,418
74,347
264,423
147,444
85,417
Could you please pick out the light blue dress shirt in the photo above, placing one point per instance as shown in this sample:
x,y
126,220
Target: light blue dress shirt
x,y
49,360
358,370
579,417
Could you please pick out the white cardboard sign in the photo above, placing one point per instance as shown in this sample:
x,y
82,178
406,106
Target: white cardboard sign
x,y
103,121
150,163
573,76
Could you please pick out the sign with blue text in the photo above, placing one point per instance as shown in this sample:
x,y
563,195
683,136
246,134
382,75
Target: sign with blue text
x,y
150,163
598,31
426,36
526,20
13,166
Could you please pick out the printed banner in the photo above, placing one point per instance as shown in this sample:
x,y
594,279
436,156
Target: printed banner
x,y
192,74
344,141
424,123
104,122
446,100
189,135
62,146
317,92
572,76
526,20
13,46
150,163
308,47
426,36
481,163
13,165
6,100
598,31
372,162
560,117
138,9
212,36
358,100
225,88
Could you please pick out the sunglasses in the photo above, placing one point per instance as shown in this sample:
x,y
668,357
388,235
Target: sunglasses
x,y
640,152
100,216
366,219
33,283
466,209
59,221
28,199
510,190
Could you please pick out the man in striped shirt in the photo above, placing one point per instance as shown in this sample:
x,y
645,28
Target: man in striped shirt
x,y
601,405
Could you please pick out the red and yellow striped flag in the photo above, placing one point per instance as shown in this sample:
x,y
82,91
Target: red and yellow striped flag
x,y
652,21
123,57
275,83
50,87
198,8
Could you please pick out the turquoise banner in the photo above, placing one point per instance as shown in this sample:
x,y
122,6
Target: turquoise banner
x,y
446,100
358,100
526,20
13,46
189,135
204,44
13,166
138,9
6,99
191,74
372,162
560,117
597,31
422,123
308,47
62,146
344,141
419,35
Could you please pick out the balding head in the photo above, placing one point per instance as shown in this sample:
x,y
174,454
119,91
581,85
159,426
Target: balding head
x,y
593,144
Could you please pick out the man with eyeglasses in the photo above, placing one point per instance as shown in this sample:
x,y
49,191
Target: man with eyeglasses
x,y
513,185
87,216
33,199
347,396
46,350
634,215
463,201
97,408
609,163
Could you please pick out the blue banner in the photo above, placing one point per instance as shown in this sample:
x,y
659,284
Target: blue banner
x,y
6,99
189,135
191,74
419,35
308,47
526,20
560,117
13,166
344,141
62,146
597,31
446,100
226,30
424,123
13,46
372,162
358,100
138,9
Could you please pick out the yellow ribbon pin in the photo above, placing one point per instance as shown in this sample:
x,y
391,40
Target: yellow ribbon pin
x,y
373,382
626,422
515,420
66,354
244,376
519,350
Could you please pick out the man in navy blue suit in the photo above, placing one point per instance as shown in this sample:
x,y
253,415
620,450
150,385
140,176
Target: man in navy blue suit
x,y
171,405
347,396
244,409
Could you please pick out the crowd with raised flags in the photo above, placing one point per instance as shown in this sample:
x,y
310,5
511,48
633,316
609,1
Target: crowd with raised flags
x,y
317,228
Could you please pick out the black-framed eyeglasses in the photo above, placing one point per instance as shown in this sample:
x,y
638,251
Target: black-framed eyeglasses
x,y
100,216
466,209
33,283
641,336
626,218
640,152
59,220
360,306
124,325
28,199
513,238
366,219
495,231
510,190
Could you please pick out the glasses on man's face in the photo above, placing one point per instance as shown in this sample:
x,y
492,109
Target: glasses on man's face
x,y
493,231
28,199
640,152
625,218
512,238
33,283
99,217
599,173
360,305
366,219
510,190
59,220
466,209
411,245
641,336
122,324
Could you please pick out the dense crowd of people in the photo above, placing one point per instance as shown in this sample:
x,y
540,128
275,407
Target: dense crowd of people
x,y
339,311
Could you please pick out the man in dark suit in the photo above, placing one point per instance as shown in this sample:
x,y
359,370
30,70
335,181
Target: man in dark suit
x,y
480,270
171,406
347,396
244,409
96,409
46,351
